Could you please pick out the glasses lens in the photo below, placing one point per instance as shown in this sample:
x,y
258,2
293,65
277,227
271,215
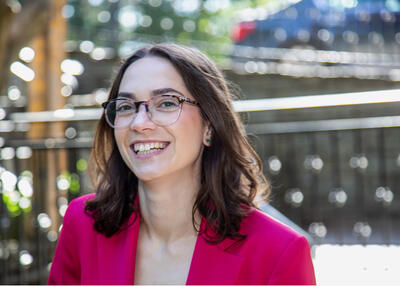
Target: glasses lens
x,y
119,112
164,109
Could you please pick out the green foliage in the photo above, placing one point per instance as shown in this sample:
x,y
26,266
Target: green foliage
x,y
12,206
81,165
16,198
207,25
73,182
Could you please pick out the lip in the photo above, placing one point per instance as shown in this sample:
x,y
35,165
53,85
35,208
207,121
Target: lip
x,y
150,155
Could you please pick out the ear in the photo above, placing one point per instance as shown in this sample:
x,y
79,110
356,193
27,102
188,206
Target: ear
x,y
207,135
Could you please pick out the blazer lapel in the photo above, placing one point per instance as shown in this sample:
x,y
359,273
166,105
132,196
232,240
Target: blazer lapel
x,y
117,254
212,263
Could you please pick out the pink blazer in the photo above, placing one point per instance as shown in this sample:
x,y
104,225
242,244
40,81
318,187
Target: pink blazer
x,y
272,253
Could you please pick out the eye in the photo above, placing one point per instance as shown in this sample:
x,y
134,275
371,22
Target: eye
x,y
166,102
124,107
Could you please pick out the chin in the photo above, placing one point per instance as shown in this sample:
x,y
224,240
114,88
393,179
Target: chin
x,y
146,176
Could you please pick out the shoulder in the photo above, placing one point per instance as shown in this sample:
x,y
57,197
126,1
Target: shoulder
x,y
76,211
264,231
78,204
274,251
83,199
261,224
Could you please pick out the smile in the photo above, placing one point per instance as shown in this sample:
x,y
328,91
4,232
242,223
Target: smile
x,y
146,148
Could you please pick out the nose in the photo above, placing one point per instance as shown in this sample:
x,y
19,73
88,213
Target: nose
x,y
142,120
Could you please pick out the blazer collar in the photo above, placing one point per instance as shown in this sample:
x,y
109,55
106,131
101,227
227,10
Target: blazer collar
x,y
117,254
213,263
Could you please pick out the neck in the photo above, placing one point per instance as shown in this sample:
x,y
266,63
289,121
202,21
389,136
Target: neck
x,y
166,207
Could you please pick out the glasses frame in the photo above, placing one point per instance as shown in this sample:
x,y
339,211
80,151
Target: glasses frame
x,y
181,99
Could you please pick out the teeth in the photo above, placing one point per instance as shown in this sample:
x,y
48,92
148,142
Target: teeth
x,y
146,148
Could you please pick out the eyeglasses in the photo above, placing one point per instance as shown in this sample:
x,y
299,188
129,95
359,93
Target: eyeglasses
x,y
163,110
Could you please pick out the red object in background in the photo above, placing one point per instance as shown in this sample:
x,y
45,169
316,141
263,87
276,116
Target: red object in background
x,y
242,30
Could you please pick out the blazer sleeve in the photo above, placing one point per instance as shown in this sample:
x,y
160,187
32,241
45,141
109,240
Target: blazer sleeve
x,y
294,266
65,268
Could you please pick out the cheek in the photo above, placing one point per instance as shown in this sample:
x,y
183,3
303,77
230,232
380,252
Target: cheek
x,y
191,131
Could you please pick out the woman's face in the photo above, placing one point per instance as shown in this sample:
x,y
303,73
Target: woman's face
x,y
175,149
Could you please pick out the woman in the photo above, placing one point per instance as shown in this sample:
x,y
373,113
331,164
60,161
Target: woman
x,y
175,183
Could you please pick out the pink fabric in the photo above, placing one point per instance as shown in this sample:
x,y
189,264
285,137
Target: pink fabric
x,y
272,253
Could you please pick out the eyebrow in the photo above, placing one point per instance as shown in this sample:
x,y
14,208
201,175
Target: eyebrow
x,y
154,92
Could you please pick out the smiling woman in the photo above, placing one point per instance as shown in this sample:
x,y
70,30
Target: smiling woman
x,y
175,180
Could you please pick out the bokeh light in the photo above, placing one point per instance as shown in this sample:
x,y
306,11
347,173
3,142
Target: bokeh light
x,y
216,5
25,186
44,220
184,7
69,79
189,26
274,164
14,93
52,236
66,91
62,183
22,71
86,46
155,3
98,53
166,23
73,67
25,203
318,229
95,3
26,54
68,11
128,17
294,197
145,21
81,165
9,180
7,153
71,133
3,113
104,17
24,152
25,258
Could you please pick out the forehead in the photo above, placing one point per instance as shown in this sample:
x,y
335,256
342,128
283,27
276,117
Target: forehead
x,y
151,73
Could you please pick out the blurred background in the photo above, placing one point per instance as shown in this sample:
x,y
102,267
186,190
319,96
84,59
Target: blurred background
x,y
321,93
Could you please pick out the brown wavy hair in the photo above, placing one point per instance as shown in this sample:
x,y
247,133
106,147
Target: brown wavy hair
x,y
231,171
